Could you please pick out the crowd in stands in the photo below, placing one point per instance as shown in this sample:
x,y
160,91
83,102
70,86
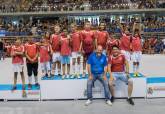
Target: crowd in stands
x,y
37,27
70,5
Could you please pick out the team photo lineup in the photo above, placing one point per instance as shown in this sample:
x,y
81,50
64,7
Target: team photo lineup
x,y
79,54
82,56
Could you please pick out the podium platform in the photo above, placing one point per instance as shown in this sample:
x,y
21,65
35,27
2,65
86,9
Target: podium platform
x,y
56,88
155,87
7,94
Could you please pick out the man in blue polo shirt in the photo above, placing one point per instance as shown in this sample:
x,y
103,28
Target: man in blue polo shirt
x,y
97,69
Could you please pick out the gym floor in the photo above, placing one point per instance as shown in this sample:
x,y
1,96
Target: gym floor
x,y
152,65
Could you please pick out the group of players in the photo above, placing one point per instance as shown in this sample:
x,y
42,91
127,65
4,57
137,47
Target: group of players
x,y
55,52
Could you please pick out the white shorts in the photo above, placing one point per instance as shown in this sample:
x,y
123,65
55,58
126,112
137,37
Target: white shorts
x,y
126,54
17,67
45,66
136,56
56,57
76,55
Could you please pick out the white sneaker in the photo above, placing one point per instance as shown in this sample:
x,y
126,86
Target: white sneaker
x,y
108,102
72,76
78,77
67,76
88,102
63,77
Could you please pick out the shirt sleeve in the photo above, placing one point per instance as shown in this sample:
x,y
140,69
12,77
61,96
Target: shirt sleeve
x,y
89,61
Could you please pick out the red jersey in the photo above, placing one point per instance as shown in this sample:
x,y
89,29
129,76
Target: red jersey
x,y
75,41
65,48
117,63
136,44
17,59
111,43
87,38
102,37
44,53
125,42
55,40
32,50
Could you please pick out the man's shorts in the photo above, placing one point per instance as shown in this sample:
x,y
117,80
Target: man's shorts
x,y
136,56
126,54
120,76
18,67
45,66
65,59
76,55
56,57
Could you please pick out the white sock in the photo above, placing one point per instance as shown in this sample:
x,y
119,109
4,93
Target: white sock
x,y
36,79
137,68
30,79
134,68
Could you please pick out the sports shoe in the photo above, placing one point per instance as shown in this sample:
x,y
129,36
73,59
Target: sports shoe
x,y
130,101
63,77
24,94
88,102
72,76
136,75
14,88
84,75
37,84
29,86
67,76
78,76
108,102
112,99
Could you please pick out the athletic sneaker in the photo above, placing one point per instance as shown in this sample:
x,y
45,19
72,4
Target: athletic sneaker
x,y
63,77
112,99
13,88
72,76
67,76
136,75
37,84
29,86
78,76
108,102
24,94
88,102
84,75
130,101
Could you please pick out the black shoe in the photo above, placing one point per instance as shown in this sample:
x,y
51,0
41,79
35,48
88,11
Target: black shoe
x,y
112,99
13,88
37,85
29,86
130,101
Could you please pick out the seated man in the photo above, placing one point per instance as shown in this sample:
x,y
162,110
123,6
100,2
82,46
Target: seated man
x,y
97,69
118,68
